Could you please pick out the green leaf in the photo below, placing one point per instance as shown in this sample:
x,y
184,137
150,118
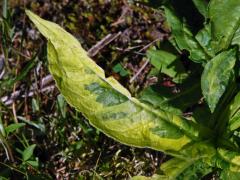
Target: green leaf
x,y
118,68
62,105
161,60
226,175
180,169
201,5
35,105
106,103
184,38
33,163
196,171
28,152
234,113
228,160
225,20
204,38
39,124
168,64
216,76
13,127
162,98
234,122
174,167
236,38
190,168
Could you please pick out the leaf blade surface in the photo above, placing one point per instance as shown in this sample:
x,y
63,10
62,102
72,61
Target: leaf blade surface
x,y
184,38
216,76
104,102
225,20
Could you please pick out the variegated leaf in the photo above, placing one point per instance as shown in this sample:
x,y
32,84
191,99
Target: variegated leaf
x,y
233,113
104,102
228,160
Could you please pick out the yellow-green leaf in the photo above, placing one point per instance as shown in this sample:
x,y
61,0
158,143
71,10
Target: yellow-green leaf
x,y
106,103
174,167
230,160
233,113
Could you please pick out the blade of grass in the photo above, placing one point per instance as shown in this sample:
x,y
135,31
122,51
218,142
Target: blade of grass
x,y
5,8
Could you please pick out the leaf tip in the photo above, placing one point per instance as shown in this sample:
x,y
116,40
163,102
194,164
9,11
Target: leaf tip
x,y
28,12
32,16
212,108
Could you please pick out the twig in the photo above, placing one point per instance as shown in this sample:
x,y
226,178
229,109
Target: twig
x,y
139,71
20,53
45,81
101,44
2,69
61,169
148,45
146,63
2,74
128,50
125,10
98,160
14,112
13,104
7,101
